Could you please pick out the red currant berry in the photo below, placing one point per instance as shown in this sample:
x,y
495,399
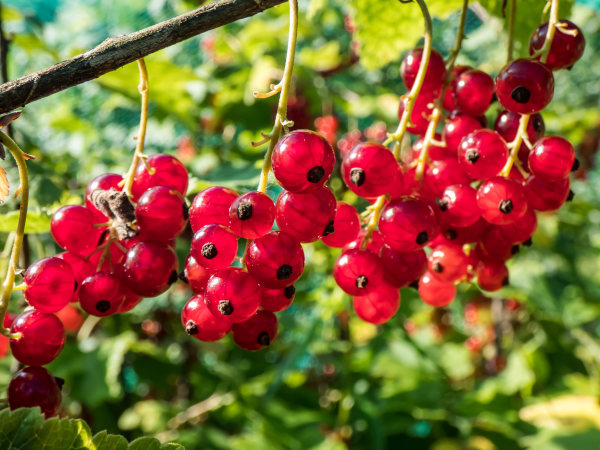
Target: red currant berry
x,y
161,214
71,318
369,169
196,275
473,92
276,300
302,160
436,292
501,200
374,245
522,229
214,246
35,387
482,154
101,294
492,275
378,306
448,262
434,76
81,268
346,226
525,86
358,272
456,128
458,206
566,48
257,332
41,337
546,195
211,206
507,125
464,235
408,224
551,157
200,323
434,152
72,228
50,284
251,215
422,109
448,102
494,246
103,182
441,174
168,171
149,268
275,260
232,294
402,268
130,301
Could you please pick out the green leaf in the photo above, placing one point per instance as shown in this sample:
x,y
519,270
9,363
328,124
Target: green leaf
x,y
35,223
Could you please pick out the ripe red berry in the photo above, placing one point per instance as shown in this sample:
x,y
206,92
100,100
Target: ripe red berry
x,y
358,272
482,154
101,294
103,182
501,200
168,171
306,216
196,275
525,86
211,206
130,301
448,262
161,214
494,246
200,323
149,268
374,245
464,235
522,229
408,224
566,48
50,284
458,206
456,128
378,306
492,275
434,152
214,246
436,292
422,109
35,386
546,195
473,92
551,157
441,174
251,215
448,102
369,169
302,160
81,268
257,332
434,76
402,268
275,260
346,226
71,318
507,125
232,294
41,339
72,228
275,300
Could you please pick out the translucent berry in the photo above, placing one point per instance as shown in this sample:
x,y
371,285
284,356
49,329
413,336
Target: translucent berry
x,y
168,171
369,169
200,323
72,228
377,306
346,226
251,215
458,206
473,91
149,268
448,262
448,101
441,174
275,260
257,332
214,246
501,200
101,294
494,246
35,386
302,160
275,300
434,76
374,245
522,229
408,224
130,301
40,340
306,216
566,48
464,235
456,128
81,268
358,272
492,275
103,182
482,154
422,109
545,195
161,214
436,292
50,284
402,268
196,275
211,206
71,318
232,294
551,157
525,86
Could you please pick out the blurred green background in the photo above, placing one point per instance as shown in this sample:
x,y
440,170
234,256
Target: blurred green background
x,y
519,370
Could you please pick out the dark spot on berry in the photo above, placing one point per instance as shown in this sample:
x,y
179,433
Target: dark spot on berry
x,y
571,196
289,291
284,272
442,203
538,125
521,94
103,306
528,242
264,339
576,165
315,174
75,287
450,234
472,155
505,206
60,382
244,210
185,211
437,267
505,281
422,238
209,250
414,284
191,328
173,277
225,307
357,177
102,237
570,67
328,229
183,277
515,249
361,281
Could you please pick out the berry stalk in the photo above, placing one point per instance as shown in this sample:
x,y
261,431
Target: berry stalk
x,y
545,50
511,30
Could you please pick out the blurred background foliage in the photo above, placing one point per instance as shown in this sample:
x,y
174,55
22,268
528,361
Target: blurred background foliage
x,y
519,370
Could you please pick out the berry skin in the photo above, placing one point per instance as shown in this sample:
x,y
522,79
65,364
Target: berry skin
x,y
276,300
161,214
130,301
103,182
200,323
72,228
422,109
196,275
434,152
448,102
71,318
214,246
369,169
551,157
35,386
448,263
507,124
458,206
346,226
482,154
251,215
257,332
374,245
545,195
441,174
306,216
101,294
232,294
565,50
525,86
434,76
494,246
358,272
42,338
473,91
436,292
302,160
275,260
408,224
501,200
522,229
402,268
211,206
168,171
81,269
149,268
456,128
464,235
50,284
492,275
378,306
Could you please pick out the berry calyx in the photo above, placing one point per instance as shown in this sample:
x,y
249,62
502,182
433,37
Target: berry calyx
x,y
358,272
251,215
257,332
101,294
200,323
232,294
214,246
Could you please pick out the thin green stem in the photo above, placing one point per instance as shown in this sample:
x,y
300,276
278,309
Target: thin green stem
x,y
460,35
515,145
543,52
9,281
511,29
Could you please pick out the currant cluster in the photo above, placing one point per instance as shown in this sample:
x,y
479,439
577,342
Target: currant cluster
x,y
244,299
